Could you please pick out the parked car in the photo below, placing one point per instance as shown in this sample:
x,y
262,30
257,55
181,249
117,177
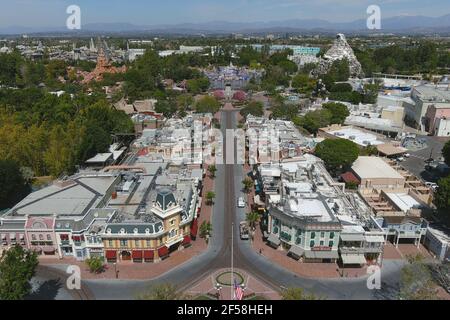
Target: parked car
x,y
241,202
243,230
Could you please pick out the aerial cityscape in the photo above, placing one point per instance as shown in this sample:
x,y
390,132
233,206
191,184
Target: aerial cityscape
x,y
224,152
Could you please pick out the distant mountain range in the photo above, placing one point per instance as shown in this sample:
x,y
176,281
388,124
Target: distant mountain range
x,y
399,24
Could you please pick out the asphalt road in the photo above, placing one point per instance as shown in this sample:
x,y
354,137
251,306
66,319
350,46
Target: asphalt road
x,y
218,255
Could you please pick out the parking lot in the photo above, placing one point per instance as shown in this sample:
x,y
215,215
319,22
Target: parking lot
x,y
417,161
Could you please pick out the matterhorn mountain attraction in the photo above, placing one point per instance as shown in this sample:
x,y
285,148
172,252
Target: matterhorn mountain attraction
x,y
339,51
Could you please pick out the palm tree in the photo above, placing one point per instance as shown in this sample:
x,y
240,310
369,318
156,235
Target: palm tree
x,y
205,229
210,197
165,291
252,219
248,184
212,171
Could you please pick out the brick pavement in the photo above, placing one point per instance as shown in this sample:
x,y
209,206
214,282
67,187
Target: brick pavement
x,y
252,286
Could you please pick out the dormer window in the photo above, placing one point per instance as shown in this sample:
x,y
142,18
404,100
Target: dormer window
x,y
135,230
122,230
147,230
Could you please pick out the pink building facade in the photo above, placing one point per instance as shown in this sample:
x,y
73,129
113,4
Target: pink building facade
x,y
433,114
40,234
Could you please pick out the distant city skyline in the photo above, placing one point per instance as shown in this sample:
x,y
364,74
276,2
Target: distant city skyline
x,y
52,13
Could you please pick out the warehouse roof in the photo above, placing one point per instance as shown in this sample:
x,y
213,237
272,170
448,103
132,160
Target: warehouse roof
x,y
373,168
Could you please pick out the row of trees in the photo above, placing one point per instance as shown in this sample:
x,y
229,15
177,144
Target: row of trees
x,y
52,135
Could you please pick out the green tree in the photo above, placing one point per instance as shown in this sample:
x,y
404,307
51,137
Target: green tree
x,y
210,197
339,112
207,104
205,229
252,219
212,170
446,153
248,184
166,107
12,184
296,294
255,108
314,120
442,198
17,268
165,291
338,154
416,281
95,264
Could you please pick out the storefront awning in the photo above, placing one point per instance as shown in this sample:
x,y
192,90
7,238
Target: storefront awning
x,y
321,254
352,237
111,254
149,254
353,259
194,228
186,240
49,249
296,250
274,239
136,254
163,252
375,239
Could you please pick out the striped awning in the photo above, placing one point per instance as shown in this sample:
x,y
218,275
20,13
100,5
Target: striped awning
x,y
353,259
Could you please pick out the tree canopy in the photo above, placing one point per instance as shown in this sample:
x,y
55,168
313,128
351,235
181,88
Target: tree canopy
x,y
207,104
338,154
17,267
255,108
12,184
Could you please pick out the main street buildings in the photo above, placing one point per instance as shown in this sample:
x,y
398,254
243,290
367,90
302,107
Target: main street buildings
x,y
140,211
313,219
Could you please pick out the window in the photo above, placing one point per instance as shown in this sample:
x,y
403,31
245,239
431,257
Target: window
x,y
313,235
148,243
322,234
172,222
138,243
110,243
321,243
49,238
311,243
41,237
330,244
331,235
33,237
123,243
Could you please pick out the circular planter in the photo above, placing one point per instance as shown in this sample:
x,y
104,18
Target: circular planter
x,y
226,279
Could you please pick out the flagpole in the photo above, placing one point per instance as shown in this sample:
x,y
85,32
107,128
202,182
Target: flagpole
x,y
232,271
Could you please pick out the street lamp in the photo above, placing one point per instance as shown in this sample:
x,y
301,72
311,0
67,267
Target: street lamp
x,y
115,270
218,288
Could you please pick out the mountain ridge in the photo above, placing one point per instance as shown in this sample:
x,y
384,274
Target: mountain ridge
x,y
413,24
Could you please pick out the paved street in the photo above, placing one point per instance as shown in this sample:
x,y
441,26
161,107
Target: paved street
x,y
218,255
416,163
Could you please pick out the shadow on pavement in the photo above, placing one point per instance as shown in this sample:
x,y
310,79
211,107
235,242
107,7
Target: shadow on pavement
x,y
47,290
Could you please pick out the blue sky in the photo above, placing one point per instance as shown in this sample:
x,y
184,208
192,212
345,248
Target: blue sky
x,y
149,12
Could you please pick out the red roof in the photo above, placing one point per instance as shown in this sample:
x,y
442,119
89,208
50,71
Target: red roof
x,y
149,254
111,254
194,228
136,254
349,177
163,251
186,240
